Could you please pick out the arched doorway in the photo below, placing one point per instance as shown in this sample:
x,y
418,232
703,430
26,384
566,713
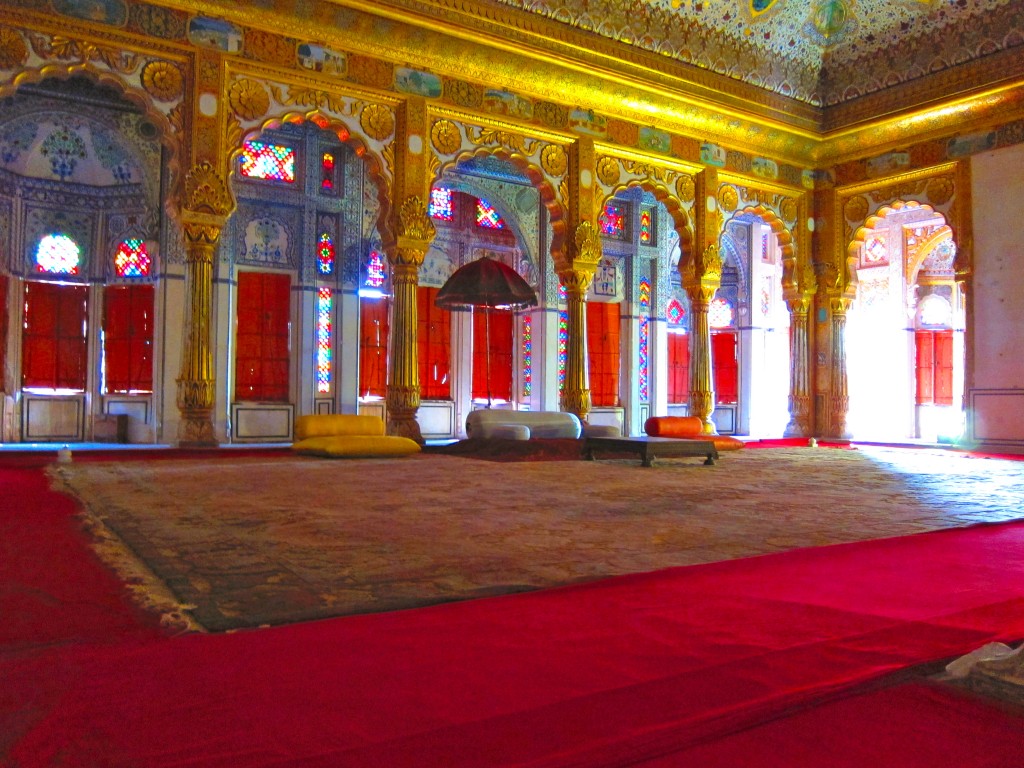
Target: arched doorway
x,y
85,169
905,329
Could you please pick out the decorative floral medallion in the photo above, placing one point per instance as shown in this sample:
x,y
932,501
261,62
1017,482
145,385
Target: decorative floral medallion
x,y
728,198
553,159
686,189
608,171
940,190
249,99
446,137
13,51
377,121
162,80
788,210
856,208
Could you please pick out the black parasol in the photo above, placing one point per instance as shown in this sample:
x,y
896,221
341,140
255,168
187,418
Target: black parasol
x,y
490,284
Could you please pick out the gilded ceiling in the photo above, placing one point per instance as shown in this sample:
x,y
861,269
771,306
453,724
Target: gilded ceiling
x,y
819,51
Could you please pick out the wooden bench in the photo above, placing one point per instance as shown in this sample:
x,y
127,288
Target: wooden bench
x,y
650,448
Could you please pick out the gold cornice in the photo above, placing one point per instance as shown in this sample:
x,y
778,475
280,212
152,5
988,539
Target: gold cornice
x,y
486,121
760,184
548,69
964,115
895,180
625,153
305,79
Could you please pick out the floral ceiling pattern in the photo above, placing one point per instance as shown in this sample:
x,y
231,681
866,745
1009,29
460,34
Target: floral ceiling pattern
x,y
818,51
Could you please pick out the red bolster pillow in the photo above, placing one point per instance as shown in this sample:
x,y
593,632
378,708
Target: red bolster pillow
x,y
673,426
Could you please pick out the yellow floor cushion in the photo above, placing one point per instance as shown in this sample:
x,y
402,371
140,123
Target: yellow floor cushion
x,y
338,446
688,427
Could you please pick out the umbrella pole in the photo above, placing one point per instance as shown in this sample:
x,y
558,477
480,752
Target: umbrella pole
x,y
487,338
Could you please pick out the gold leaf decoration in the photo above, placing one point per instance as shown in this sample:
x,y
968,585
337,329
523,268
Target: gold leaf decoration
x,y
686,189
588,244
553,160
248,99
377,121
939,190
608,171
728,197
463,94
446,137
788,210
856,208
162,80
13,51
506,139
206,192
413,221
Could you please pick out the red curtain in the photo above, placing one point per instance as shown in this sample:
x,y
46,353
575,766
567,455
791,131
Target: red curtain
x,y
128,338
373,347
603,352
54,338
502,334
724,367
262,355
678,367
934,366
434,338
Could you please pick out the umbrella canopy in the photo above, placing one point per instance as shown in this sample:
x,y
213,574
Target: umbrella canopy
x,y
485,282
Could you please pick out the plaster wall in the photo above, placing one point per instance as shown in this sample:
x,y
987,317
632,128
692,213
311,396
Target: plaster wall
x,y
995,377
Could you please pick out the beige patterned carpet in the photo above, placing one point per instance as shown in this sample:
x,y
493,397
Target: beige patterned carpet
x,y
269,540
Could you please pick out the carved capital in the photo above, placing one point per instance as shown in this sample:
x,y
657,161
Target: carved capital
x,y
576,281
586,248
800,304
208,198
205,235
702,275
414,227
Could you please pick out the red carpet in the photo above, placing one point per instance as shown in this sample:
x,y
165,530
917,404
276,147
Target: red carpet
x,y
689,664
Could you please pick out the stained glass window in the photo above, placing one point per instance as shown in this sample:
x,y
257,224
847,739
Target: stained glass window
x,y
323,340
645,322
720,314
487,217
563,346
441,204
376,273
527,356
675,312
261,160
325,255
58,254
563,295
646,226
875,252
327,172
132,258
613,221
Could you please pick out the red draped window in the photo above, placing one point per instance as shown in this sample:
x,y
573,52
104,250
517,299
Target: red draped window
x,y
128,338
54,347
435,334
603,352
934,367
373,346
502,331
262,337
678,368
724,367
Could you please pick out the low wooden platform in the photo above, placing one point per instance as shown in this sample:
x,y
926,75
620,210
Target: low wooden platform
x,y
650,448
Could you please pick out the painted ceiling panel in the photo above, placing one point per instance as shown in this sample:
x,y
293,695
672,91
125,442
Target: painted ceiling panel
x,y
818,51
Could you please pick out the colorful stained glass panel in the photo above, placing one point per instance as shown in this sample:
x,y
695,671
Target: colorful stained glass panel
x,y
132,258
646,226
323,340
613,221
527,356
58,254
327,172
720,314
563,347
274,162
487,217
325,255
441,204
376,272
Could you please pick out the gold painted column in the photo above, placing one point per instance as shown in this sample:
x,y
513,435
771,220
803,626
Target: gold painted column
x,y
576,269
800,393
208,203
577,280
415,232
838,393
701,275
